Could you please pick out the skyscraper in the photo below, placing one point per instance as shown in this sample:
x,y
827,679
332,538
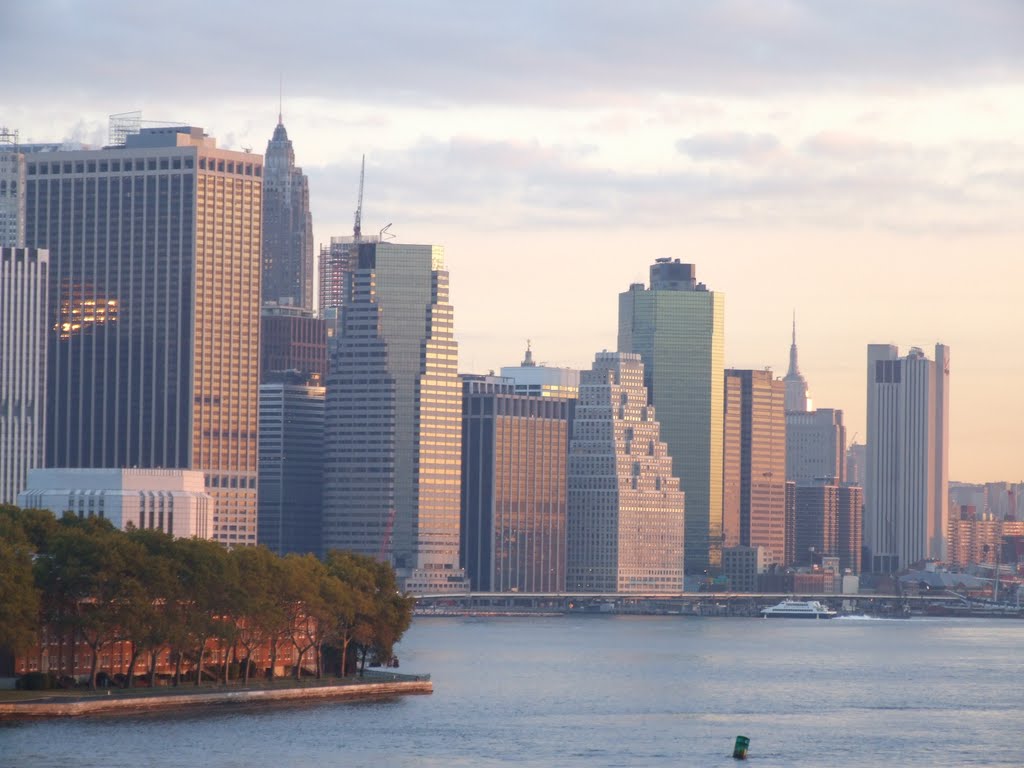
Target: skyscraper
x,y
815,445
291,462
754,468
798,398
287,226
394,419
906,493
677,326
24,299
530,378
514,450
626,511
292,339
154,295
12,190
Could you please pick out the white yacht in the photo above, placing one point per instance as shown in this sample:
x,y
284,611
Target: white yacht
x,y
798,609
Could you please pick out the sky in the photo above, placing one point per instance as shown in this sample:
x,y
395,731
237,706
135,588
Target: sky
x,y
861,164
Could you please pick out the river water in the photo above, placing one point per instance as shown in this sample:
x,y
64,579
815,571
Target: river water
x,y
616,691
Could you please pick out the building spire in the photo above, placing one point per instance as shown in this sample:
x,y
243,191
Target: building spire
x,y
280,100
798,398
528,360
794,365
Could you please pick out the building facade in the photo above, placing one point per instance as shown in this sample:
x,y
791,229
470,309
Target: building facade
x,y
24,301
906,493
626,517
394,420
170,500
529,378
677,326
798,396
154,297
742,566
514,484
754,464
287,226
292,339
291,463
851,527
815,446
12,190
817,522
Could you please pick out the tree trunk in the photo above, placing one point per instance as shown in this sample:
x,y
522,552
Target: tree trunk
x,y
273,655
131,665
298,664
177,669
344,655
153,654
319,661
95,664
199,664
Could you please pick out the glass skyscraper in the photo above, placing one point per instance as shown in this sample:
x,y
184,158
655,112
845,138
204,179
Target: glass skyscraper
x,y
394,419
154,310
678,328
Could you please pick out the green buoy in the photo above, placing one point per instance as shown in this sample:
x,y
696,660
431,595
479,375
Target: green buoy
x,y
740,750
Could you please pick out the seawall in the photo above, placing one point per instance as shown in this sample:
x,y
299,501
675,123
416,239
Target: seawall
x,y
133,705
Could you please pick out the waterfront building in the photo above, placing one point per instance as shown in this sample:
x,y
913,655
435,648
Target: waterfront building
x,y
394,420
817,522
174,501
529,378
677,326
12,190
292,339
291,462
155,298
977,539
815,445
798,397
625,507
743,566
906,493
851,529
24,297
754,471
514,454
287,226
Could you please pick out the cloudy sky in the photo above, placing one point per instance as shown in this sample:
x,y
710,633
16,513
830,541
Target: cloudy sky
x,y
859,162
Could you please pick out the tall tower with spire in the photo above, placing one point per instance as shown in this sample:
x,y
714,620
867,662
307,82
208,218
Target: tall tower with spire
x,y
798,397
287,225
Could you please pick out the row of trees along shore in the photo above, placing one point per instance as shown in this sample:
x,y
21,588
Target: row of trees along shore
x,y
87,582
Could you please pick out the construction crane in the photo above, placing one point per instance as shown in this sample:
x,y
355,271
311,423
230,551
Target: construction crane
x,y
357,229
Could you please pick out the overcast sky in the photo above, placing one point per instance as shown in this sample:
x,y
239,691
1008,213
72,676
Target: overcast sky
x,y
859,162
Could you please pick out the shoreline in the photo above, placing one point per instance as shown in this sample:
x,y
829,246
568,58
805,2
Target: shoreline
x,y
128,704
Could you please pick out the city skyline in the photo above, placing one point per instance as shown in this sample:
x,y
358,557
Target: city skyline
x,y
877,192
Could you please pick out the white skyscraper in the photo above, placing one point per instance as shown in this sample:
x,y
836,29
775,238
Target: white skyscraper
x,y
625,508
24,280
906,489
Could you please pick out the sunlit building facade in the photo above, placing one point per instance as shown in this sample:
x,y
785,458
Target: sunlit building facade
x,y
677,326
815,445
514,450
24,297
754,468
154,310
906,494
394,420
626,516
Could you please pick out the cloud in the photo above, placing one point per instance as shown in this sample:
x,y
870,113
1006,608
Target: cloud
x,y
742,147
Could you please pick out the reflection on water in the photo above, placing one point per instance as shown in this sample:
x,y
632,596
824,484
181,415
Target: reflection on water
x,y
615,691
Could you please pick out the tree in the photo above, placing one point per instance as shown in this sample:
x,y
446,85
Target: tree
x,y
260,614
19,598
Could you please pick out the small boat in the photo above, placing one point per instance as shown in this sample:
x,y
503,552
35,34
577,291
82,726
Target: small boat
x,y
798,609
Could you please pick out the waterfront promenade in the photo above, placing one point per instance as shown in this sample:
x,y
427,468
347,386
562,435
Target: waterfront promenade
x,y
117,701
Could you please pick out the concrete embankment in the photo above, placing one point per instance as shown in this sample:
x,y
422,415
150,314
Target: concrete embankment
x,y
127,704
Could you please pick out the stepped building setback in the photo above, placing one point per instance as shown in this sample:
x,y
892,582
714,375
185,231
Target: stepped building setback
x,y
626,517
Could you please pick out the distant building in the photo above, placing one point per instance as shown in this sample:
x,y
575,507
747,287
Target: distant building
x,y
856,464
12,190
851,527
287,226
798,397
24,286
291,463
625,508
790,523
742,566
292,339
514,485
978,540
817,522
154,358
906,493
394,420
677,326
170,500
542,380
754,471
815,446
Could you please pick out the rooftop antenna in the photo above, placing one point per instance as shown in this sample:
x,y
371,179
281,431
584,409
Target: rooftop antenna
x,y
280,99
357,230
